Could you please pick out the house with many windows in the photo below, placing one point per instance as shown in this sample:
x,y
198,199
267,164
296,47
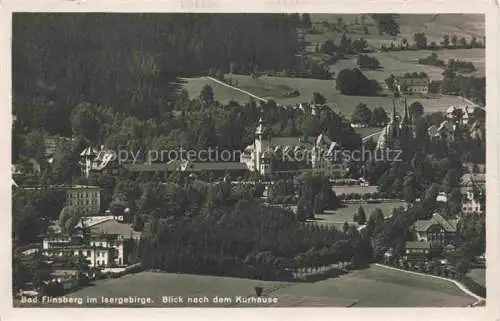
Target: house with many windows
x,y
431,236
85,199
99,250
412,84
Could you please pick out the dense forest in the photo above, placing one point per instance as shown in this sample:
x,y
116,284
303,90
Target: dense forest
x,y
129,62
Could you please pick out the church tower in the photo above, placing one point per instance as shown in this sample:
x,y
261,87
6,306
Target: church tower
x,y
406,126
391,131
262,142
87,159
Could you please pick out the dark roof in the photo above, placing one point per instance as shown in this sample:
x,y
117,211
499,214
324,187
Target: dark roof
x,y
215,166
115,227
473,177
447,225
417,245
285,141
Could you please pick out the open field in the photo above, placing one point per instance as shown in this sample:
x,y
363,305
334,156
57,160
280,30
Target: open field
x,y
155,285
376,287
478,275
372,287
274,87
400,62
222,93
434,26
345,214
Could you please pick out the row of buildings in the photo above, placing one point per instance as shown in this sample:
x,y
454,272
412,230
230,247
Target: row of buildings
x,y
267,155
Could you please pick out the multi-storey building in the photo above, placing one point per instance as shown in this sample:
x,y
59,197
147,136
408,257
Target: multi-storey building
x,y
84,199
99,250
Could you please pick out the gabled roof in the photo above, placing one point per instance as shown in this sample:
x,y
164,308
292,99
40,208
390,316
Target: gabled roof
x,y
89,151
285,141
417,245
447,225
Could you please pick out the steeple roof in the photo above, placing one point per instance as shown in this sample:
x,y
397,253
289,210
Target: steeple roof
x,y
406,119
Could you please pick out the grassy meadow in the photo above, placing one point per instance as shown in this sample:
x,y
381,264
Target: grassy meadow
x,y
371,287
344,214
275,87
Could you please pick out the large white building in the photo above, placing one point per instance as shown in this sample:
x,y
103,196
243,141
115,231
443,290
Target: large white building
x,y
100,251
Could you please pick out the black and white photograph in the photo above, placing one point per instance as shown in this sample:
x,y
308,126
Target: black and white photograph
x,y
248,160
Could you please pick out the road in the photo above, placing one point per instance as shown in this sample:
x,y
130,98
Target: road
x,y
238,89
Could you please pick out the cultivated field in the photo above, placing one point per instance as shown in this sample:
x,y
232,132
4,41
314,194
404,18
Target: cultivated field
x,y
345,214
434,26
372,287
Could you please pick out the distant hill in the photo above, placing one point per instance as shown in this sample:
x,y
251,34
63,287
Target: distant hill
x,y
434,25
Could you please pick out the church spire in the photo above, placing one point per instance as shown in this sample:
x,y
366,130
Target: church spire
x,y
393,118
406,117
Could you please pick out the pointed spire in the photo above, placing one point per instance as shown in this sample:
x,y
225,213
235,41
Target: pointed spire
x,y
406,117
393,118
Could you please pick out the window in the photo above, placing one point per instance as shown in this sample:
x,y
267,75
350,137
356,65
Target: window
x,y
88,253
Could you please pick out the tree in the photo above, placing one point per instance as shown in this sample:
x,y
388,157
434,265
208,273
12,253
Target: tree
x,y
379,117
354,82
462,42
365,61
359,45
451,180
420,40
474,43
462,267
386,24
362,115
410,188
454,40
405,43
318,99
345,227
90,122
306,21
375,222
416,109
328,47
360,216
390,81
446,41
207,94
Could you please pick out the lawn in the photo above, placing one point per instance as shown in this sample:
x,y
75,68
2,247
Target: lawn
x,y
222,93
340,103
372,287
375,287
345,214
155,285
478,275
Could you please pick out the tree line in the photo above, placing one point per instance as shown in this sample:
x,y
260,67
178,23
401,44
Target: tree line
x,y
130,63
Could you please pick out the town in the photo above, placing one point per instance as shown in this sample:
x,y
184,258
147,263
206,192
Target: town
x,y
276,170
